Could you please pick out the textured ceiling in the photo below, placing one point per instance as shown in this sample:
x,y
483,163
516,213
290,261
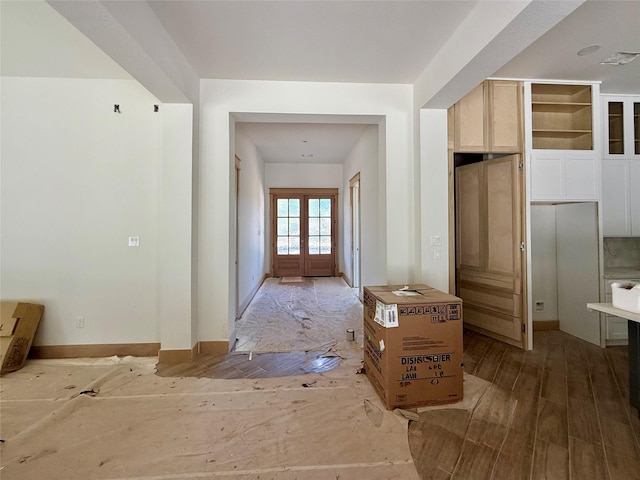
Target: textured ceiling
x,y
337,41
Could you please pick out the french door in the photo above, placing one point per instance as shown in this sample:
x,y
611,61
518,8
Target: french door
x,y
303,232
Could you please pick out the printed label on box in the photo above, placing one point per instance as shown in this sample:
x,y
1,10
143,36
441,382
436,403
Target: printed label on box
x,y
386,315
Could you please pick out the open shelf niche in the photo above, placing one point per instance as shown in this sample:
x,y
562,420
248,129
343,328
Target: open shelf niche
x,y
561,116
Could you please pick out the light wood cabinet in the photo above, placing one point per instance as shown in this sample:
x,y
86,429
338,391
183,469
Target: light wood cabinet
x,y
489,118
621,126
621,198
561,117
488,247
506,116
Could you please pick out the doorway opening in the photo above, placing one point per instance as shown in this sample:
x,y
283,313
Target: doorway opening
x,y
565,268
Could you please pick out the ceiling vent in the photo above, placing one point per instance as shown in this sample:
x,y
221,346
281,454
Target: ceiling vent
x,y
620,58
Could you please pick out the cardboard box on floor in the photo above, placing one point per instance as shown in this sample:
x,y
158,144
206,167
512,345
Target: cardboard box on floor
x,y
18,325
413,345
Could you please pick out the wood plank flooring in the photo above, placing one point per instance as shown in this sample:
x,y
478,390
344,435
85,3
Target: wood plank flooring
x,y
558,412
253,365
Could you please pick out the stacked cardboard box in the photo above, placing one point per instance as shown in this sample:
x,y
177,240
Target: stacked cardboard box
x,y
413,345
18,325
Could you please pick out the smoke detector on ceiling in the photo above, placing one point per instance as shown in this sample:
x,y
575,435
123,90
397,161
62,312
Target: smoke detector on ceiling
x,y
620,58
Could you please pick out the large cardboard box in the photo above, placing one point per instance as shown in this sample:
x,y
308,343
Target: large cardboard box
x,y
18,325
413,345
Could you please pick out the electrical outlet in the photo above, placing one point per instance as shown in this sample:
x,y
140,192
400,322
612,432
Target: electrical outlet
x,y
80,322
539,306
436,240
134,241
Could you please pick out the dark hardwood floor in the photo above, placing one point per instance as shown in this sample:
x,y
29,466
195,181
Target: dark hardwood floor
x,y
253,365
560,411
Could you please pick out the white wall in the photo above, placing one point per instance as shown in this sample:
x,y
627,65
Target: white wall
x,y
175,229
219,99
77,180
251,218
363,159
544,275
434,198
287,175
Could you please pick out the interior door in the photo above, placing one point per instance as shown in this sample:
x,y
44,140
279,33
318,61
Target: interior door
x,y
578,271
489,261
304,233
354,184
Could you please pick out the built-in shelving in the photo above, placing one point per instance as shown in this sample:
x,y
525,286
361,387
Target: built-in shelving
x,y
561,116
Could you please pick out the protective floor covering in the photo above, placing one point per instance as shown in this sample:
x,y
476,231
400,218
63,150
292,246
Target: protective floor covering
x,y
300,316
132,424
117,419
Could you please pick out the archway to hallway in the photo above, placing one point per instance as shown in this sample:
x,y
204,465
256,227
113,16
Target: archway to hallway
x,y
304,162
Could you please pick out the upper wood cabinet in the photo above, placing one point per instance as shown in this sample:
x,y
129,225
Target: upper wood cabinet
x,y
489,118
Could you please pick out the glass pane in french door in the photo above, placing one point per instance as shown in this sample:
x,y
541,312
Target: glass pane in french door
x,y
288,226
319,226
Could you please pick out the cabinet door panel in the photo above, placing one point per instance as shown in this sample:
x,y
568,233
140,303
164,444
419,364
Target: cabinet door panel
x,y
503,227
564,176
581,178
615,198
547,178
634,193
506,116
469,212
471,135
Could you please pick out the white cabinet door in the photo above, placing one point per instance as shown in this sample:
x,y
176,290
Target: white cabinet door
x,y
547,177
634,195
582,180
621,130
559,176
616,200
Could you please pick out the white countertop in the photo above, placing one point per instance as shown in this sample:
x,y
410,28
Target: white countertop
x,y
611,310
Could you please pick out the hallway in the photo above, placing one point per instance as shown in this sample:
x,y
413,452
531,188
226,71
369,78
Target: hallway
x,y
300,314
